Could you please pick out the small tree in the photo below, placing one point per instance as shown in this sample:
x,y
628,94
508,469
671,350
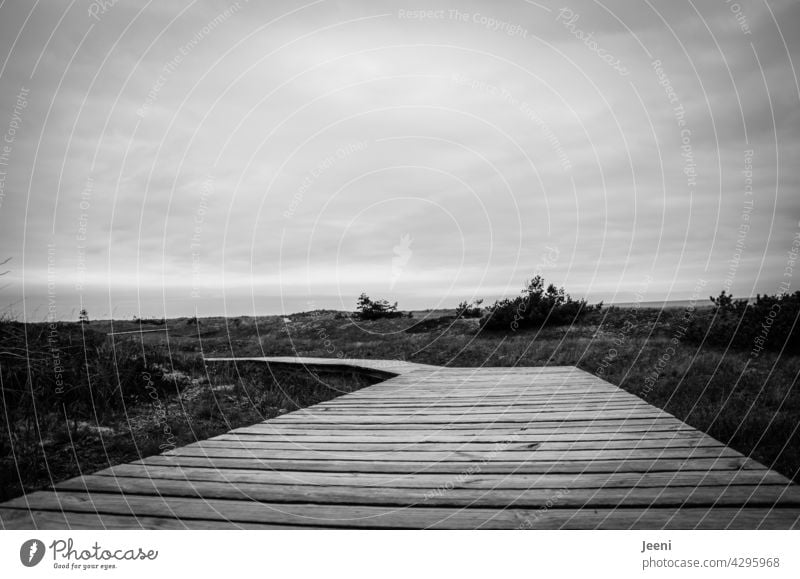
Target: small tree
x,y
469,309
725,303
373,310
83,316
536,307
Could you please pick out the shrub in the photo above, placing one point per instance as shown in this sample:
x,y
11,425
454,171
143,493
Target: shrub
x,y
536,307
768,323
153,321
469,309
373,310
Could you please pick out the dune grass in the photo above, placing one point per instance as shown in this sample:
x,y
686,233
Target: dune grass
x,y
86,401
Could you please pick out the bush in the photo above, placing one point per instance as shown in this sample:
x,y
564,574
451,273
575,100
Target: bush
x,y
535,308
373,310
769,323
152,321
469,309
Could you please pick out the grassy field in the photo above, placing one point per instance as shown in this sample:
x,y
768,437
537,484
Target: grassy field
x,y
123,393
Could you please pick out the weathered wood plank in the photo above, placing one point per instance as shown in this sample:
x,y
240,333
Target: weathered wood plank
x,y
356,516
478,480
469,456
645,438
664,426
509,444
22,519
488,405
521,409
504,467
321,418
388,366
743,495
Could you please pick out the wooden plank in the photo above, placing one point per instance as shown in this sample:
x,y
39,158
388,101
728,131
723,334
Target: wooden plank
x,y
483,378
436,410
468,456
466,417
491,437
395,388
497,400
20,519
743,495
517,405
306,418
487,391
483,390
490,376
467,399
488,413
478,481
488,400
335,364
355,516
485,399
665,425
493,467
512,444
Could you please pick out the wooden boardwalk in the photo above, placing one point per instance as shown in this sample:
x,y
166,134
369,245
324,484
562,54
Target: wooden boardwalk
x,y
431,447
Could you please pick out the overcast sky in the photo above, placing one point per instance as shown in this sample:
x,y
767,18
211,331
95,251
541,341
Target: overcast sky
x,y
254,158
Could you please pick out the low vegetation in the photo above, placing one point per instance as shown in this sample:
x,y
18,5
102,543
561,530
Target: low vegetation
x,y
767,323
76,400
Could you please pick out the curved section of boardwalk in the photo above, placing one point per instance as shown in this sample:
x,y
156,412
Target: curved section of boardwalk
x,y
475,448
380,368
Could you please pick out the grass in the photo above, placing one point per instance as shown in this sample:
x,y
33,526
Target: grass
x,y
750,404
117,400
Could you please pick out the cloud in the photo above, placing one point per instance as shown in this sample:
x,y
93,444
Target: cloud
x,y
285,149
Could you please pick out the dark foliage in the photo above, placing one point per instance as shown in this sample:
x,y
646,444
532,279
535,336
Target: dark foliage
x,y
768,323
374,310
536,307
151,321
469,309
